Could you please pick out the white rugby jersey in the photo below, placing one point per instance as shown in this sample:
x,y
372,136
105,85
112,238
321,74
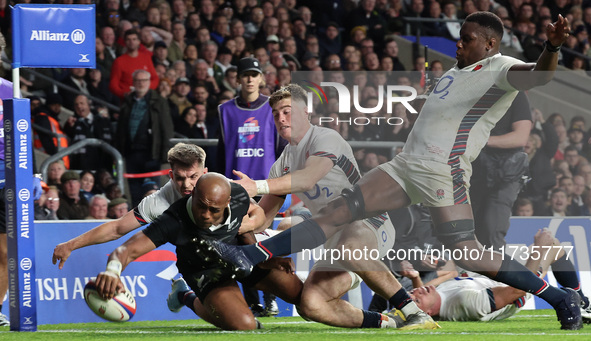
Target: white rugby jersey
x,y
156,203
456,120
467,299
322,142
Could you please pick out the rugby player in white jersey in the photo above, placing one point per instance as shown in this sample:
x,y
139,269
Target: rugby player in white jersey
x,y
187,165
473,297
434,166
317,165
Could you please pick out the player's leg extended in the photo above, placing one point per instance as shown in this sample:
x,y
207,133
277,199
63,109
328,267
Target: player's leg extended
x,y
454,227
286,286
321,301
227,308
375,193
358,238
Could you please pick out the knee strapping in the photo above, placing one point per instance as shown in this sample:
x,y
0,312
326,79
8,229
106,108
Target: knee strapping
x,y
453,232
354,199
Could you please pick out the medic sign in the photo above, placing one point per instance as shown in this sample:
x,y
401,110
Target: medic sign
x,y
54,36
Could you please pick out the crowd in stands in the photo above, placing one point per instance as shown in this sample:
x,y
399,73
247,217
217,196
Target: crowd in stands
x,y
188,51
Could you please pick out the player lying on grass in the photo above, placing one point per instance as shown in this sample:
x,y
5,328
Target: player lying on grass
x,y
316,164
187,165
478,298
434,167
215,210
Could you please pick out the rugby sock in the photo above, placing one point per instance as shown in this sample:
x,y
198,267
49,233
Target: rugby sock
x,y
305,235
518,276
371,319
402,301
566,275
188,298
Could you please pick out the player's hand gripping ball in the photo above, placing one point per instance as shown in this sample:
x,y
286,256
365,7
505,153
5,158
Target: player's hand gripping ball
x,y
120,308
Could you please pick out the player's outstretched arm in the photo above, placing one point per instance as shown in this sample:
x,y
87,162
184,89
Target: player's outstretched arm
x,y
557,33
103,233
108,282
299,181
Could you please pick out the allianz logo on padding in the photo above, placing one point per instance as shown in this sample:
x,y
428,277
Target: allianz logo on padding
x,y
77,36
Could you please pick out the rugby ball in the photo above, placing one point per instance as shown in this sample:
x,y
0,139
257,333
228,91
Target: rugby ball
x,y
118,309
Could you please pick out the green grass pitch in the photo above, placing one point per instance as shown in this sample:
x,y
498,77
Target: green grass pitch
x,y
527,325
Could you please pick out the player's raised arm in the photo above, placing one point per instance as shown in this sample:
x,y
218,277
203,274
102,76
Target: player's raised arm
x,y
108,282
101,234
557,34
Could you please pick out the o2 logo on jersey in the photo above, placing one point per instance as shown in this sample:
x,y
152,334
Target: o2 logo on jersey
x,y
318,192
442,86
248,129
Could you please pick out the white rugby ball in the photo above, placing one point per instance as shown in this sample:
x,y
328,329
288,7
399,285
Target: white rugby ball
x,y
120,308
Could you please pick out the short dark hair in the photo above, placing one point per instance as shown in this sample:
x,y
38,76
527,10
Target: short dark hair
x,y
487,20
130,32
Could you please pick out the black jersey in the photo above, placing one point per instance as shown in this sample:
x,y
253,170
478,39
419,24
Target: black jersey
x,y
176,226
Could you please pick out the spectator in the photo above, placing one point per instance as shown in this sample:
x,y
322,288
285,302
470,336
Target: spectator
x,y
573,158
586,209
98,207
192,24
220,31
88,125
54,173
76,80
253,26
366,16
180,91
575,138
73,206
391,50
113,191
523,208
438,29
160,55
230,81
223,61
578,189
330,41
50,206
47,117
186,125
127,64
567,184
87,184
107,35
144,130
190,57
178,43
149,187
272,43
137,12
453,28
117,208
207,10
179,11
98,87
558,204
